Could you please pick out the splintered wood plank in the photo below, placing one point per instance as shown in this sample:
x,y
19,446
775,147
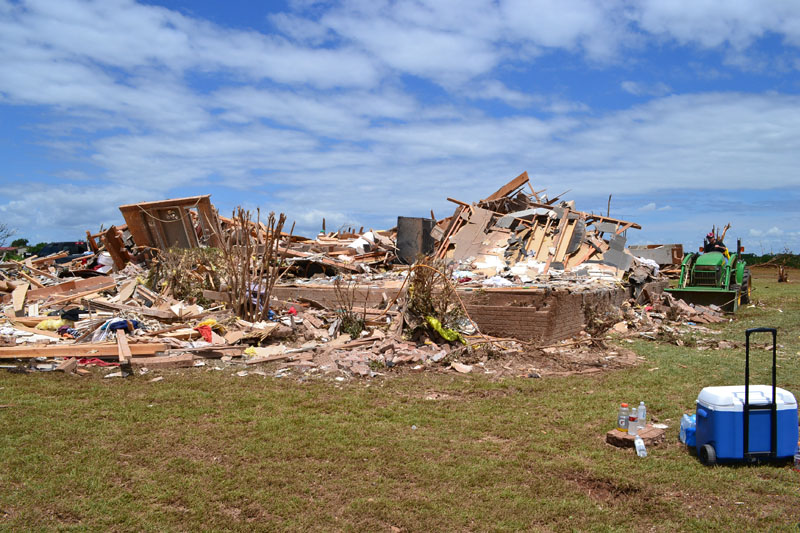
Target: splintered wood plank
x,y
126,291
35,331
563,241
71,287
509,187
35,282
581,255
106,349
18,297
468,240
169,361
561,225
68,365
37,271
123,348
536,238
144,311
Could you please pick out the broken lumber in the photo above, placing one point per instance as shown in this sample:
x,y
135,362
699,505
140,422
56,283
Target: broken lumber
x,y
73,287
100,350
124,350
18,296
167,361
68,365
144,311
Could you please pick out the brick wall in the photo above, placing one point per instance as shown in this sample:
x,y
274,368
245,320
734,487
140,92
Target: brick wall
x,y
541,315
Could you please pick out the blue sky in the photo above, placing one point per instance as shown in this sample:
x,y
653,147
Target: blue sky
x,y
687,112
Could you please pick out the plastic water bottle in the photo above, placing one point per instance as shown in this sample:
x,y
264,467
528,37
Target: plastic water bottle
x,y
641,451
633,421
642,416
622,418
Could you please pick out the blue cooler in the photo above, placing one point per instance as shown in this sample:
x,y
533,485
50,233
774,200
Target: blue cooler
x,y
720,423
747,422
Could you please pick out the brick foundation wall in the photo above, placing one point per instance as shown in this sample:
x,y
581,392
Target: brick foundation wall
x,y
543,316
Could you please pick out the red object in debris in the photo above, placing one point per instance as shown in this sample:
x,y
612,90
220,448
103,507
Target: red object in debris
x,y
95,361
205,331
292,311
648,308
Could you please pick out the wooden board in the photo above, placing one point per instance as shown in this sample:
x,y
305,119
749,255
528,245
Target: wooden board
x,y
102,350
68,365
144,311
71,287
35,331
509,187
127,291
18,296
169,361
123,349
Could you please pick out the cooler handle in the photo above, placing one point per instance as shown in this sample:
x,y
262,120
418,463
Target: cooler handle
x,y
774,404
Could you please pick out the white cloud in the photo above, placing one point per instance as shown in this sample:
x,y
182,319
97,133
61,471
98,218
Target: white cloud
x,y
124,34
645,89
774,231
594,27
647,207
709,23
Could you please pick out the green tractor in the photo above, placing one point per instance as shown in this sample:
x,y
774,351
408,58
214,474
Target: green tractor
x,y
711,278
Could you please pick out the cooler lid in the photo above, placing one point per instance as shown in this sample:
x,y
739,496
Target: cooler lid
x,y
733,396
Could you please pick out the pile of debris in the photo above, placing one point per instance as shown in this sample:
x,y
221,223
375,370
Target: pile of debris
x,y
178,285
526,237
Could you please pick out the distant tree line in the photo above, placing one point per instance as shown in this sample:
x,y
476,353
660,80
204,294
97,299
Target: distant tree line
x,y
785,258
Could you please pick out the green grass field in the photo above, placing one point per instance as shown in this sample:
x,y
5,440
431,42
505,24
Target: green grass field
x,y
207,450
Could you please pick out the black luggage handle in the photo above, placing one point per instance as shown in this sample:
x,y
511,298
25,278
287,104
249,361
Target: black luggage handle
x,y
773,406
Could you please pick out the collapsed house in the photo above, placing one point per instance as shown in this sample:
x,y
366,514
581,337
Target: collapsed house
x,y
178,283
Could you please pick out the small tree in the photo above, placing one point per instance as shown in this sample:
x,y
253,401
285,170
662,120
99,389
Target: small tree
x,y
19,243
5,233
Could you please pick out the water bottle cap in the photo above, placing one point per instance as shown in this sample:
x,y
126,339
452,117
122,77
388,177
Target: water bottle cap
x,y
624,405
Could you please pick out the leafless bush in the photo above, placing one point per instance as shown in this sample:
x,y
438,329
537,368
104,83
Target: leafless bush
x,y
253,257
430,293
350,321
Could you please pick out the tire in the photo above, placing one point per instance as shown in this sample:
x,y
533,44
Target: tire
x,y
746,287
708,455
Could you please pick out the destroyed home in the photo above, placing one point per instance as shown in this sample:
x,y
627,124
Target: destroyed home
x,y
178,284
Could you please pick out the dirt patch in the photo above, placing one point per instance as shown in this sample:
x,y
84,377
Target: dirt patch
x,y
602,489
553,362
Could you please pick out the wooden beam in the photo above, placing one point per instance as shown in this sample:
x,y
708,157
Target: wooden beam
x,y
561,226
115,246
102,350
509,187
627,226
459,202
123,349
144,311
74,286
35,331
189,201
38,272
35,282
68,365
76,296
168,361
